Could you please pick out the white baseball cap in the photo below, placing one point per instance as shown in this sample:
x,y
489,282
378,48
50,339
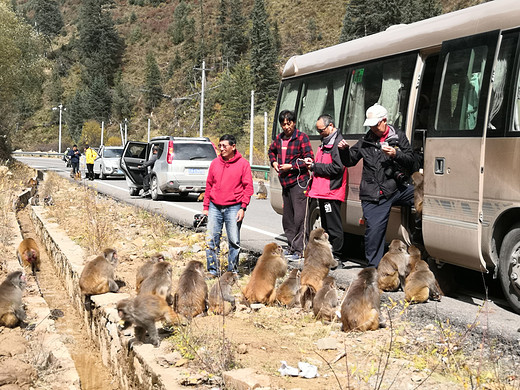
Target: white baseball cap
x,y
375,114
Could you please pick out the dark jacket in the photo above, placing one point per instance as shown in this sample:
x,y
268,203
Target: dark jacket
x,y
74,155
151,162
378,178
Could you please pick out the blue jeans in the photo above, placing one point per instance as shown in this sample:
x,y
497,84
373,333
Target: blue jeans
x,y
217,217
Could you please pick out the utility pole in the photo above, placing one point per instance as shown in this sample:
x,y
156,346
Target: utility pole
x,y
61,108
126,130
265,138
251,136
203,69
148,129
102,131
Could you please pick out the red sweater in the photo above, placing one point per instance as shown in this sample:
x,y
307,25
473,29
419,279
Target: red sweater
x,y
229,182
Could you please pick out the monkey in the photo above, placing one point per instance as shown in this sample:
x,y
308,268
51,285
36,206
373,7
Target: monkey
x,y
191,297
220,294
318,261
159,282
262,191
32,183
200,198
97,276
48,201
270,266
146,269
421,284
34,200
29,254
360,310
142,311
418,192
12,312
287,293
394,267
326,300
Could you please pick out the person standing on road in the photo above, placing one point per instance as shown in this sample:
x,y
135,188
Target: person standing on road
x,y
148,167
90,156
286,155
229,188
74,155
329,182
387,156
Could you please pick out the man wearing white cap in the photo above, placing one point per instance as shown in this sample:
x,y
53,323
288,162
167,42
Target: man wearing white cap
x,y
387,158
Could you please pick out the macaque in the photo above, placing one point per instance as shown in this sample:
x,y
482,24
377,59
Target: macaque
x,y
361,308
98,274
159,282
29,254
12,312
200,198
262,191
421,284
396,259
270,266
325,302
146,269
221,299
418,192
143,311
287,293
191,297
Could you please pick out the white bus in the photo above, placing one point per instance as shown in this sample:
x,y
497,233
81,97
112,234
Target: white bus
x,y
452,84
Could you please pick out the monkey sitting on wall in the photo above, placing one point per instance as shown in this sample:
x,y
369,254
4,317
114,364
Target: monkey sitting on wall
x,y
361,308
288,292
29,254
325,302
270,266
262,191
394,267
146,269
316,266
159,282
421,283
191,297
12,312
143,311
221,299
97,276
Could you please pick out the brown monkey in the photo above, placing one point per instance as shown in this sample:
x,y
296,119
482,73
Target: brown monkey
x,y
29,254
159,282
316,266
191,298
142,311
360,309
421,284
396,259
146,269
418,192
200,198
270,266
12,312
325,302
288,292
221,299
262,191
97,276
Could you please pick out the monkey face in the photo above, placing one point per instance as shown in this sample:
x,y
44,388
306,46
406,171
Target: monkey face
x,y
414,251
274,249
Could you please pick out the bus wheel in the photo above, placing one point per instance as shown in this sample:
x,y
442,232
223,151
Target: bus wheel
x,y
509,267
313,215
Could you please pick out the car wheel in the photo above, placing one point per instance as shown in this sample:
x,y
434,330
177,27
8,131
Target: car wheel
x,y
154,188
313,216
96,175
102,176
134,191
509,267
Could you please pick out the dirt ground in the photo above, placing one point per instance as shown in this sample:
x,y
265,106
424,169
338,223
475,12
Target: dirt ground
x,y
401,356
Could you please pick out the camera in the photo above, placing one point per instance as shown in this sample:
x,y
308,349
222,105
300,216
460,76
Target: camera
x,y
200,220
393,171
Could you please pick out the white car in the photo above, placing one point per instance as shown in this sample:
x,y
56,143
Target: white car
x,y
107,163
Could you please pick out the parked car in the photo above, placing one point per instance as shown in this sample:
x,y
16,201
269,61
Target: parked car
x,y
107,163
181,167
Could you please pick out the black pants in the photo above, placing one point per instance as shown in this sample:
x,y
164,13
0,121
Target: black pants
x,y
330,214
293,218
90,171
75,167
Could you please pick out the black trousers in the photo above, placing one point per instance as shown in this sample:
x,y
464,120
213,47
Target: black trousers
x,y
90,171
293,218
330,214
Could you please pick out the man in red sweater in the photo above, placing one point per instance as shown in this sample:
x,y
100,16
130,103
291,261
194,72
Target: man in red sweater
x,y
229,188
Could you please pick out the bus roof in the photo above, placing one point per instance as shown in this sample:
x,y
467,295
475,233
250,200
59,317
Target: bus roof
x,y
494,15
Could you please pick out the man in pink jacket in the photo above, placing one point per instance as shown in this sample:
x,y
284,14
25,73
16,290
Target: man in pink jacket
x,y
228,191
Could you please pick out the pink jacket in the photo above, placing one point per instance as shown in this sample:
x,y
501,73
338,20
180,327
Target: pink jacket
x,y
229,182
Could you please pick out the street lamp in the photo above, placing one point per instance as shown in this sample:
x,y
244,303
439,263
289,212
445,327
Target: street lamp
x,y
61,108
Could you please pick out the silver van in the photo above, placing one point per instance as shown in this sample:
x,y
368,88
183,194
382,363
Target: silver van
x,y
181,167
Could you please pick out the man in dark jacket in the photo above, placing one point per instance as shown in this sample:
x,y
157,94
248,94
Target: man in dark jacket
x,y
387,156
148,166
74,155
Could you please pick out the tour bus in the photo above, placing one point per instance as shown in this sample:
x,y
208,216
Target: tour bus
x,y
452,84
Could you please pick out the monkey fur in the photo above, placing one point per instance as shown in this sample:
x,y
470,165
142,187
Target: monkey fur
x,y
146,269
12,312
270,266
143,311
97,276
288,292
159,282
318,261
191,297
262,191
325,302
360,310
418,192
421,284
221,299
394,267
29,254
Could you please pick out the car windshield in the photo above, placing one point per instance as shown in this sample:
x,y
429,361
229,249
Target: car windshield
x,y
113,152
192,151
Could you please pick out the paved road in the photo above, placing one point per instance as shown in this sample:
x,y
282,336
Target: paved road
x,y
471,303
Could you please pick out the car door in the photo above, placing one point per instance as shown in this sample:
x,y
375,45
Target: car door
x,y
97,161
134,154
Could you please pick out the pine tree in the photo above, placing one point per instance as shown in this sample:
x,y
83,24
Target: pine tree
x,y
122,104
263,58
153,90
178,26
232,36
47,17
75,114
98,100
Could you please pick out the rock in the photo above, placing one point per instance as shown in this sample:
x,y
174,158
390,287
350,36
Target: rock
x,y
181,362
257,306
327,343
242,349
169,359
195,248
245,379
16,371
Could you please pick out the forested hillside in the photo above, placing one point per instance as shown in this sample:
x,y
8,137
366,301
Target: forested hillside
x,y
127,61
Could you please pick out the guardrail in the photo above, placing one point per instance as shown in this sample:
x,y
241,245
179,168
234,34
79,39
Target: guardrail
x,y
40,154
261,168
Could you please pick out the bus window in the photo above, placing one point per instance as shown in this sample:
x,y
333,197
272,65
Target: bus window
x,y
288,97
321,94
386,82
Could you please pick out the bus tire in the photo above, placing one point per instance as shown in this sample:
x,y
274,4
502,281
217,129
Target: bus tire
x,y
313,216
509,267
